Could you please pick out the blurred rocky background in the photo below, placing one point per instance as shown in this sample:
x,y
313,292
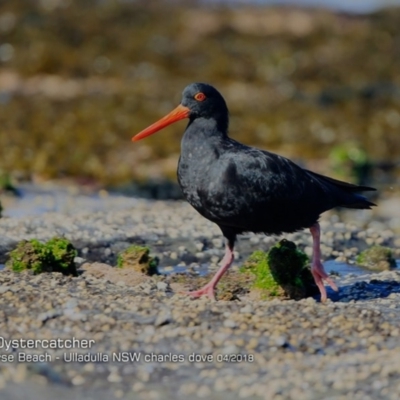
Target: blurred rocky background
x,y
78,78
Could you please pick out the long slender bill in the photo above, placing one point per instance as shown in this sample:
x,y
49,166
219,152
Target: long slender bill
x,y
177,114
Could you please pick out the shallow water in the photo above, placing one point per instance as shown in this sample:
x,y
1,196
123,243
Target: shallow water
x,y
330,266
37,201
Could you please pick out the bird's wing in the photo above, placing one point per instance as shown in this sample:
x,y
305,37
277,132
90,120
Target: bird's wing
x,y
245,177
270,177
350,187
271,174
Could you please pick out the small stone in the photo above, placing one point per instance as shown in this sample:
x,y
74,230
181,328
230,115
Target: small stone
x,y
230,349
228,323
162,286
163,318
218,243
138,386
114,377
199,246
204,392
79,260
246,309
214,259
73,315
281,341
119,394
4,289
78,380
254,240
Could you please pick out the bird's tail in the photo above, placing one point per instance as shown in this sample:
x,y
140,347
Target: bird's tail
x,y
360,202
347,192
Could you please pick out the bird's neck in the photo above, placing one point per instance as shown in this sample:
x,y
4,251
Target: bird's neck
x,y
209,130
201,145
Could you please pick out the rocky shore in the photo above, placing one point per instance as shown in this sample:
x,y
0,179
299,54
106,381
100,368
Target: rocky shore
x,y
128,336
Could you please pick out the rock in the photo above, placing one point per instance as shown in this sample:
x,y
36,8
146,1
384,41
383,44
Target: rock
x,y
377,258
56,255
257,264
282,271
289,267
137,258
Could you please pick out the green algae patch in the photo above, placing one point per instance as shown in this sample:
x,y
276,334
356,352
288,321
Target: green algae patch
x,y
138,258
377,258
257,264
283,271
56,255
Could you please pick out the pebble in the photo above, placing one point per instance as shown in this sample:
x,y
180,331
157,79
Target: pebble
x,y
229,323
114,377
162,286
4,289
78,380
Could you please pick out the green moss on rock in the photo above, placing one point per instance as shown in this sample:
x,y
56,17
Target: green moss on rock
x,y
282,271
258,265
57,255
377,258
138,258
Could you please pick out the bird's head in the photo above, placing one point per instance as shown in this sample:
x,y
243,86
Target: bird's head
x,y
199,100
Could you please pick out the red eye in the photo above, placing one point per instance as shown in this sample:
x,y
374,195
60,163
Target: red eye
x,y
200,96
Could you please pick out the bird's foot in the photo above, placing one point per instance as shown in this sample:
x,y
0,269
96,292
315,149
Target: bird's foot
x,y
207,290
320,275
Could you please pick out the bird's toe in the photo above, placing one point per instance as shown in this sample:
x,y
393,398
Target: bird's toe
x,y
204,291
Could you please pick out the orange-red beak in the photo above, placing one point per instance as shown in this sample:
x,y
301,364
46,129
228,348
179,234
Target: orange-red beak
x,y
177,114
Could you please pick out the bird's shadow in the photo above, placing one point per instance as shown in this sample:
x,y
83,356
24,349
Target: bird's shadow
x,y
364,290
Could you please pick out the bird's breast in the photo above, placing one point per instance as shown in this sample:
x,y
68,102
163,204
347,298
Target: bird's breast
x,y
210,186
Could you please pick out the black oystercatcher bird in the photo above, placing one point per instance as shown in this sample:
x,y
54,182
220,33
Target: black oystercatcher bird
x,y
244,189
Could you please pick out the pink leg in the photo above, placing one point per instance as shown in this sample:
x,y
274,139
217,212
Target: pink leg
x,y
317,268
208,290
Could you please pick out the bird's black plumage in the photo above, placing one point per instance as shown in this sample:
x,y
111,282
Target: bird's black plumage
x,y
242,188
